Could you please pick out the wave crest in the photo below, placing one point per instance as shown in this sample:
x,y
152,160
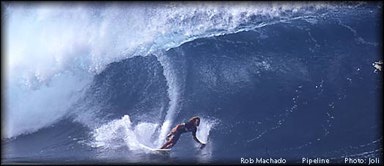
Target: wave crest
x,y
45,41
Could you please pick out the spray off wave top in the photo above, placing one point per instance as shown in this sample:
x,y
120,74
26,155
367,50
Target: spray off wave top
x,y
53,50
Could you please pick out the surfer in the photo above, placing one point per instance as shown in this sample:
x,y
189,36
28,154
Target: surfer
x,y
174,135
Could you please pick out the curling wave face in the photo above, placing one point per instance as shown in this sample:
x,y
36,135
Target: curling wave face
x,y
49,43
118,76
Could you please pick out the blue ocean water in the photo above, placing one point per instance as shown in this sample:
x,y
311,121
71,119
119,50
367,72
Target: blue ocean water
x,y
95,82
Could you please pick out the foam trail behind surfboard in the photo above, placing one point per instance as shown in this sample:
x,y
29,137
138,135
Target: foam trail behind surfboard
x,y
173,94
121,133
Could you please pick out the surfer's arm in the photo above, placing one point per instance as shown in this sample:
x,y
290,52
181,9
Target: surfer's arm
x,y
195,138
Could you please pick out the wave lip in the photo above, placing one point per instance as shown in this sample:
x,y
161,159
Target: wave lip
x,y
76,41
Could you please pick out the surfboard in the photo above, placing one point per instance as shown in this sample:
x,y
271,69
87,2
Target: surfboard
x,y
162,150
156,150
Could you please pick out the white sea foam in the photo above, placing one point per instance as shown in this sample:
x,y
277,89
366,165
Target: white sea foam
x,y
140,137
53,50
173,94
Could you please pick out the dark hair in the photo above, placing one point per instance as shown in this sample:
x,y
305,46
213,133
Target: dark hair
x,y
193,119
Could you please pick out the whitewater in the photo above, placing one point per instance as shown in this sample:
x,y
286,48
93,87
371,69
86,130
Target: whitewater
x,y
55,49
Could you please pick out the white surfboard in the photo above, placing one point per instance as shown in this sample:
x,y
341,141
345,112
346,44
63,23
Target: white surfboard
x,y
156,150
162,150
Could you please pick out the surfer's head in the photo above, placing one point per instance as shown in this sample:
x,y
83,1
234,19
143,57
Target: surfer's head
x,y
195,120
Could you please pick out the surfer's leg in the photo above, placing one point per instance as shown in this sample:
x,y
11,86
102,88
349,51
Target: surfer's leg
x,y
171,142
165,146
169,145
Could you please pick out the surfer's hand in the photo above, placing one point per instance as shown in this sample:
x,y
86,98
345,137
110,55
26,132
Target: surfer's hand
x,y
202,146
